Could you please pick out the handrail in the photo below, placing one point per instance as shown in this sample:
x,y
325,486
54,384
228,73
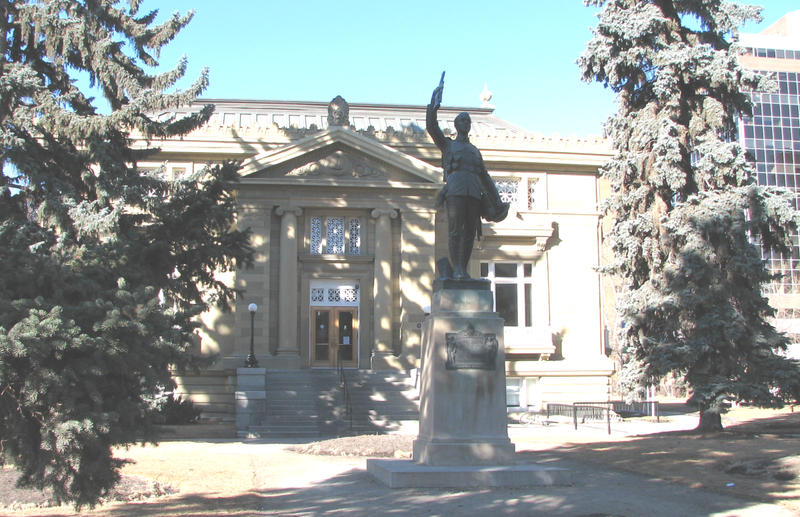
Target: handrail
x,y
647,407
597,410
348,405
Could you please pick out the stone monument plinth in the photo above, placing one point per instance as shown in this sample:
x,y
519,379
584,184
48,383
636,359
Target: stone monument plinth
x,y
462,417
463,434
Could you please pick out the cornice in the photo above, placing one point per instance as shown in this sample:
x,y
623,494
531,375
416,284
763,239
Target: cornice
x,y
390,137
338,185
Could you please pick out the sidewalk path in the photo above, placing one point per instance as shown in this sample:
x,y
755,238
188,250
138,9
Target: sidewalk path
x,y
297,485
259,478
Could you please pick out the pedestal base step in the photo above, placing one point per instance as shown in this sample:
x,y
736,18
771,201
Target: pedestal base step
x,y
407,474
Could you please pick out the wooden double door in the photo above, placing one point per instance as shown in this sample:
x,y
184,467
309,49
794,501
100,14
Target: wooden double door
x,y
334,336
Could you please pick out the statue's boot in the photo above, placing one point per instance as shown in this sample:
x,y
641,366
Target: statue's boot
x,y
464,254
456,255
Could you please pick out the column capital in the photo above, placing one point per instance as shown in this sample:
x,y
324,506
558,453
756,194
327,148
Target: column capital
x,y
377,213
289,209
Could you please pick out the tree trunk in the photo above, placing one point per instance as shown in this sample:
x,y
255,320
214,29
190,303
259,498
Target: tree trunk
x,y
710,421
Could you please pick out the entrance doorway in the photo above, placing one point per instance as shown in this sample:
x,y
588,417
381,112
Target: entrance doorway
x,y
334,333
334,337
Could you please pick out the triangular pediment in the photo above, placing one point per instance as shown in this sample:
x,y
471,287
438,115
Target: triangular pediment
x,y
339,155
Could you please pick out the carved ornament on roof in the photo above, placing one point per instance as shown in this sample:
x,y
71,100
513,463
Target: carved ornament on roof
x,y
339,112
338,164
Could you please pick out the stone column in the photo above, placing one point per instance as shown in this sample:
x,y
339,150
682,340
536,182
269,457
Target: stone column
x,y
256,215
288,356
418,259
382,353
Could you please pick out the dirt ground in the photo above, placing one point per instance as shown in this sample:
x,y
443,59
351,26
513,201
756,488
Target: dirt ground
x,y
195,470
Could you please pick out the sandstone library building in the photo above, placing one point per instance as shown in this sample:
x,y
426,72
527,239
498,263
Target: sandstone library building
x,y
347,237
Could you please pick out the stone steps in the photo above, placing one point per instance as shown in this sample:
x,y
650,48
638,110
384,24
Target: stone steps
x,y
309,404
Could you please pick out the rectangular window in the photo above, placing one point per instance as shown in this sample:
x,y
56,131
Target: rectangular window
x,y
316,235
519,192
512,285
335,235
513,388
354,242
508,190
507,304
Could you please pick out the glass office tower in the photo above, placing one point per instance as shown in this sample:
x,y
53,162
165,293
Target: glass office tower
x,y
772,137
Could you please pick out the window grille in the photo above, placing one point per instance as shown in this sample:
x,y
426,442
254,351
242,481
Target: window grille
x,y
318,294
335,235
354,245
348,294
508,190
316,235
334,292
531,187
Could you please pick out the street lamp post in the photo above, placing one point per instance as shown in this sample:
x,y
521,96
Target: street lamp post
x,y
251,361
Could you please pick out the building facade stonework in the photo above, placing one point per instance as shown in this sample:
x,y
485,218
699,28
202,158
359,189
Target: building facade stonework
x,y
346,239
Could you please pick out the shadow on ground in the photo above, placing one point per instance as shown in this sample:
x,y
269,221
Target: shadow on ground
x,y
355,493
755,459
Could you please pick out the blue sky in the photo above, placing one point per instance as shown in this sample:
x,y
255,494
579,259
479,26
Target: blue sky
x,y
388,52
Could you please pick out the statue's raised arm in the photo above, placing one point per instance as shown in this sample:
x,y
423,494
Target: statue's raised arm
x,y
431,122
469,192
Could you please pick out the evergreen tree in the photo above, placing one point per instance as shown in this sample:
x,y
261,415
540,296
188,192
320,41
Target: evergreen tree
x,y
104,268
689,217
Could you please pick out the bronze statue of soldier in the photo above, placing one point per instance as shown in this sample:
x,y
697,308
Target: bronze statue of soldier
x,y
469,192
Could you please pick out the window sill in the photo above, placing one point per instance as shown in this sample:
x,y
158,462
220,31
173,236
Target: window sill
x,y
334,257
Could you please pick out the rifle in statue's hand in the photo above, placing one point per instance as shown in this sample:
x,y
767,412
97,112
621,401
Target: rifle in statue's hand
x,y
436,98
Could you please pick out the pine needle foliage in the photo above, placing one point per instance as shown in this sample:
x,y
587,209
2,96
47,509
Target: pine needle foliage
x,y
104,268
689,218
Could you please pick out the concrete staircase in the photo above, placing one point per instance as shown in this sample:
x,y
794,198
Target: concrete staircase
x,y
310,404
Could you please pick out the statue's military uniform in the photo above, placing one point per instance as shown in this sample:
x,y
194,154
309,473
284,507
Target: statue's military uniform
x,y
469,193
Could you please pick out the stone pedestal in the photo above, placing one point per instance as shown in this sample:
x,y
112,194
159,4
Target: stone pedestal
x,y
251,397
462,418
463,434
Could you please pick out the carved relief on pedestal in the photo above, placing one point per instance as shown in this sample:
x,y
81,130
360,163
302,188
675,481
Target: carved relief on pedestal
x,y
471,350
